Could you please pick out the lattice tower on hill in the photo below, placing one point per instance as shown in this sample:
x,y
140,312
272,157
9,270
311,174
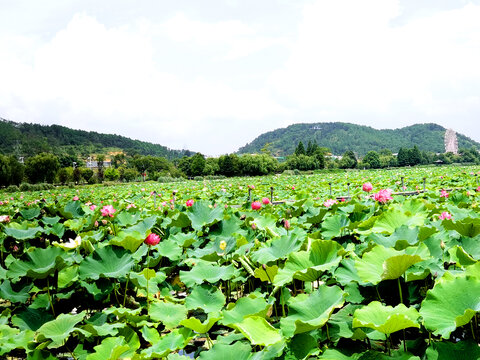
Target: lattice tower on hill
x,y
451,142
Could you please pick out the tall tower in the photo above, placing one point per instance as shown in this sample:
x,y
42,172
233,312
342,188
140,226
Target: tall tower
x,y
451,142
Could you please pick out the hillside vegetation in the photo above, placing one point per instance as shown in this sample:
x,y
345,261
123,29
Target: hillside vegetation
x,y
340,137
22,139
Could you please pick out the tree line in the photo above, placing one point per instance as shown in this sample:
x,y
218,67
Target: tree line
x,y
66,169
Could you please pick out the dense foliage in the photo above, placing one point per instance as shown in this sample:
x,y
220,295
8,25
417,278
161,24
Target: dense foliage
x,y
197,269
340,137
22,139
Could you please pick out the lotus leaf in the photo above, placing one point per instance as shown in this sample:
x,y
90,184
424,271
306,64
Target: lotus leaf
x,y
244,307
107,262
258,331
207,272
385,319
39,263
59,329
206,297
308,265
443,310
202,215
236,351
309,312
169,314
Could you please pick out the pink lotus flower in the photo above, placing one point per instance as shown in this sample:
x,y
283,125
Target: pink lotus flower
x,y
367,187
93,207
477,189
265,201
254,226
445,216
75,198
190,202
131,206
444,194
330,202
293,187
108,210
96,223
104,222
4,219
256,205
152,239
383,196
251,187
286,224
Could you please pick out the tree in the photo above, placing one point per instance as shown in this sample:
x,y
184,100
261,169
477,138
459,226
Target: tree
x,y
111,174
5,171
300,150
349,160
372,159
415,157
197,165
42,168
403,157
100,160
228,165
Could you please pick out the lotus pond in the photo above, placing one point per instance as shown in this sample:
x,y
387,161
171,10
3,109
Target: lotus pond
x,y
312,277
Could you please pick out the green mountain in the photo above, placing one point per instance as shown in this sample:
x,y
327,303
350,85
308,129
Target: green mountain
x,y
340,137
22,139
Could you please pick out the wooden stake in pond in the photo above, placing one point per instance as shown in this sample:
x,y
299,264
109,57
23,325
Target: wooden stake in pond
x,y
424,184
249,194
348,189
155,199
330,184
271,194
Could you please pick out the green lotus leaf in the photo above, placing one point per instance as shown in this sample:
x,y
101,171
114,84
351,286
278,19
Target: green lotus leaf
x,y
169,249
346,272
31,319
201,327
59,329
467,227
169,314
41,355
126,218
67,276
201,214
385,319
11,339
301,346
111,348
75,224
206,297
266,274
144,227
391,220
150,335
309,312
130,240
278,248
382,263
334,225
236,351
244,307
72,210
453,351
39,263
308,265
50,220
23,231
227,228
57,229
176,339
443,309
207,272
107,262
258,331
30,213
20,296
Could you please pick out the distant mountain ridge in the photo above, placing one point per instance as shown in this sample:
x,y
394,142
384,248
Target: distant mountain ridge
x,y
340,137
23,139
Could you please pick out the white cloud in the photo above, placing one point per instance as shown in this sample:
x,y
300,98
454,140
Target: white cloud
x,y
349,57
106,79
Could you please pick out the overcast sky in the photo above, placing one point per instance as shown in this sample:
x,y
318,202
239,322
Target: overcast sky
x,y
212,75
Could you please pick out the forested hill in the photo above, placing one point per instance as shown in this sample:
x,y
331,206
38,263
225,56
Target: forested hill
x,y
340,137
24,139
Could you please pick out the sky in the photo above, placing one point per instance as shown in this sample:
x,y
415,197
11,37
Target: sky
x,y
212,75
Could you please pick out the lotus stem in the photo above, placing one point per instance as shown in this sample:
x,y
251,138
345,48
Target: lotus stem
x,y
473,332
148,264
50,298
246,266
126,287
400,290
